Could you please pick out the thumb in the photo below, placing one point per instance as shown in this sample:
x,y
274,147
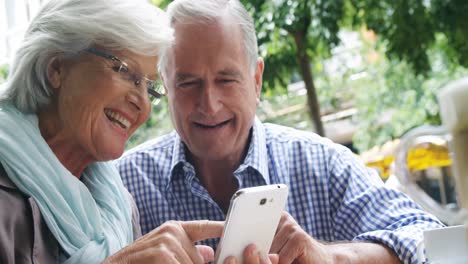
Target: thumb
x,y
201,230
206,252
274,258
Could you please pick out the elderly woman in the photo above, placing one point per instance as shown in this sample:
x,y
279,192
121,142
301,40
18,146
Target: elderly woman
x,y
80,85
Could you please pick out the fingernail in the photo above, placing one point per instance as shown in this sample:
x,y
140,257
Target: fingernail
x,y
230,260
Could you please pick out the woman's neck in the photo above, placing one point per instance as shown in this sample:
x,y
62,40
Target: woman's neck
x,y
68,151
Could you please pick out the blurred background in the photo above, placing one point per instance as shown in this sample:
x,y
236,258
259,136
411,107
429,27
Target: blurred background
x,y
360,72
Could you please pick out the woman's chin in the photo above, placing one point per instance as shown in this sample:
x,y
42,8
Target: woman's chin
x,y
111,154
117,154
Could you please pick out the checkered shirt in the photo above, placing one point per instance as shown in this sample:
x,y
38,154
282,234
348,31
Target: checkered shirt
x,y
332,195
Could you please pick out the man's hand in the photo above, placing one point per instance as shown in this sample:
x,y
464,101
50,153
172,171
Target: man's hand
x,y
172,242
252,256
294,245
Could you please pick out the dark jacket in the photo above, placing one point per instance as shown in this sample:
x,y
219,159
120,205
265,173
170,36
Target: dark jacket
x,y
24,235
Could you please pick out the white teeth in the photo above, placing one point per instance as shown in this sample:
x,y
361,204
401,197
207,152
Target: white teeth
x,y
125,123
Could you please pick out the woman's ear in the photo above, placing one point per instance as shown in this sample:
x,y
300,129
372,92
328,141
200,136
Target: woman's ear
x,y
54,71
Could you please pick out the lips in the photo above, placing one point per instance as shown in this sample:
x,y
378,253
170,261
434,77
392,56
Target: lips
x,y
117,118
211,126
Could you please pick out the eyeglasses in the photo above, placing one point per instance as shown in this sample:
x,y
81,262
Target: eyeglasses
x,y
154,88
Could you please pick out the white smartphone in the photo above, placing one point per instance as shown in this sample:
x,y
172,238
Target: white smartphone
x,y
252,218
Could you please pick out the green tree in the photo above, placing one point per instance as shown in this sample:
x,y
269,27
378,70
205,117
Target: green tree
x,y
3,73
292,36
305,30
391,100
161,3
410,27
425,46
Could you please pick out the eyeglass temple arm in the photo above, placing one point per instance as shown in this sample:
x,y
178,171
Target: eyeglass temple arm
x,y
103,54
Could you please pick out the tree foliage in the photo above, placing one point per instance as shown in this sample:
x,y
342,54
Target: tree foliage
x,y
161,3
412,33
291,36
277,21
391,99
3,73
409,28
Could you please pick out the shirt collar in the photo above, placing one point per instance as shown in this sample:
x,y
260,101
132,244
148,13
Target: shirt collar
x,y
178,153
179,159
256,157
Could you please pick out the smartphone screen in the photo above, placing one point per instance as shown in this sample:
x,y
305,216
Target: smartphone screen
x,y
252,218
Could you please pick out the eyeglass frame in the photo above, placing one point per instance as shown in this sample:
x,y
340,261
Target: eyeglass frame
x,y
133,76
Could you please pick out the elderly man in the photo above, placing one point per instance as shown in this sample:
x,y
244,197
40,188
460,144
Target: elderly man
x,y
213,79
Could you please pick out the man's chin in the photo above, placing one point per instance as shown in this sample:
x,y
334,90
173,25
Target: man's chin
x,y
211,153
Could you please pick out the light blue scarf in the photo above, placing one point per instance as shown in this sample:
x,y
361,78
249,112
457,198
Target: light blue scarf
x,y
90,219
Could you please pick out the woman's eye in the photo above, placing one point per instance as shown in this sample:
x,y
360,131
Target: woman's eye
x,y
123,69
117,68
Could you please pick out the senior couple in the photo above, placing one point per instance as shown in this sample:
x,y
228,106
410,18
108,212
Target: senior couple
x,y
82,82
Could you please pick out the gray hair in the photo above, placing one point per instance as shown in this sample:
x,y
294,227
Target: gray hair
x,y
208,11
64,28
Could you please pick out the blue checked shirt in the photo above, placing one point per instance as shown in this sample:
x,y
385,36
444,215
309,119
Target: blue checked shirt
x,y
332,195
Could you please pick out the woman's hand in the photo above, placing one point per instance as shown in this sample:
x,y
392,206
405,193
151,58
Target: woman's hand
x,y
172,242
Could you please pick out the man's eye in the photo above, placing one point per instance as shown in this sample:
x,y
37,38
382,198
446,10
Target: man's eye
x,y
187,84
227,80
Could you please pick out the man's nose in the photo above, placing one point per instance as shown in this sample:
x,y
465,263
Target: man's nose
x,y
209,102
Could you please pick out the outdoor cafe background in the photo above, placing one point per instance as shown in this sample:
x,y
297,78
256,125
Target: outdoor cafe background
x,y
428,162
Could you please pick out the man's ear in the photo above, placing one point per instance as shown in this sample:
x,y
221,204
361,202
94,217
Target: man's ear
x,y
259,78
54,71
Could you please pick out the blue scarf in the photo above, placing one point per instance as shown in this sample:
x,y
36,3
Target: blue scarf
x,y
91,219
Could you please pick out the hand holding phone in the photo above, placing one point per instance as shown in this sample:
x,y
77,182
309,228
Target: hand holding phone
x,y
252,218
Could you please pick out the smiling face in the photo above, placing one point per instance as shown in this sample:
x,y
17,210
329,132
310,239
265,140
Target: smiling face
x,y
212,91
94,111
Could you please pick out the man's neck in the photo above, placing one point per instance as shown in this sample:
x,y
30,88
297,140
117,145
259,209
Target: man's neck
x,y
217,176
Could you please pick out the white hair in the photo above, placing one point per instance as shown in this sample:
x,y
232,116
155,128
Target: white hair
x,y
209,11
64,28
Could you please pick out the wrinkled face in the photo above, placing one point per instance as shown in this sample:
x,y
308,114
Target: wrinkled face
x,y
212,91
96,108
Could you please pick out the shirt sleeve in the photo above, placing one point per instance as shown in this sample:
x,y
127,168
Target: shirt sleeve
x,y
365,210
